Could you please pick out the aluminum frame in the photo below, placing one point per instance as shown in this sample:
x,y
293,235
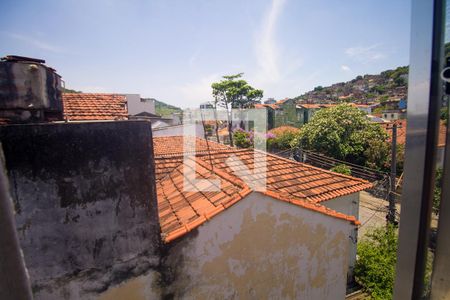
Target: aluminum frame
x,y
424,98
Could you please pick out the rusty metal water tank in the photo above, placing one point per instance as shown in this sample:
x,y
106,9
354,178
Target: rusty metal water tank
x,y
29,91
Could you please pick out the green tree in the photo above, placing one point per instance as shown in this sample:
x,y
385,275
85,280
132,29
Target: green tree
x,y
378,154
444,114
342,169
377,258
375,267
318,88
234,92
343,132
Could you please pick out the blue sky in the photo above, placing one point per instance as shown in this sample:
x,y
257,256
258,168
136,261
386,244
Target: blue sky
x,y
173,50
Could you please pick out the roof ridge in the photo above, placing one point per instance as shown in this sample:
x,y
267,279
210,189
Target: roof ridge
x,y
313,206
313,167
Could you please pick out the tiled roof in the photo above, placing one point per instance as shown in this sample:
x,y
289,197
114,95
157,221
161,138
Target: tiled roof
x,y
287,180
84,106
282,101
170,145
181,211
401,132
310,106
273,106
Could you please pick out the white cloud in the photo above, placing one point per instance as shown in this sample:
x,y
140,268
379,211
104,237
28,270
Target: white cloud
x,y
345,68
267,52
35,42
365,54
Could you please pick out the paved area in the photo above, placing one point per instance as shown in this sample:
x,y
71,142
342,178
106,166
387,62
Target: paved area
x,y
372,212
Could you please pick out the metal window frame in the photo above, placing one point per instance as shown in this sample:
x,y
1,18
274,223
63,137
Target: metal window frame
x,y
424,99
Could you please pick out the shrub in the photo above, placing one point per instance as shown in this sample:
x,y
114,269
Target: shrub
x,y
242,138
342,169
375,267
282,137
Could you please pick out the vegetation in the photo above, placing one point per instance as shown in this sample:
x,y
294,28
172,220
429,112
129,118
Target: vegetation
x,y
342,169
437,191
344,133
234,92
64,90
377,258
318,88
282,137
164,109
388,84
444,114
242,138
375,267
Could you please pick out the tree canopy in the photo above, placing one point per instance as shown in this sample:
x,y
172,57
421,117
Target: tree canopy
x,y
234,92
343,132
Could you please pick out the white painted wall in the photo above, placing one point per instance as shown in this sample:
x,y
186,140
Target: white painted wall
x,y
261,248
137,105
348,205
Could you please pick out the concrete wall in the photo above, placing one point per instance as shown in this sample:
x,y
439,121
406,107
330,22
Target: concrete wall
x,y
85,204
260,248
348,205
137,105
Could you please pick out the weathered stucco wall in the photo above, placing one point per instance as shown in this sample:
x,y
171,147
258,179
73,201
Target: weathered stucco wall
x,y
348,205
260,248
85,204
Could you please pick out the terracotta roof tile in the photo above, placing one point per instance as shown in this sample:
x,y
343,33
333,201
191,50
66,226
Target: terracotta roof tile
x,y
84,107
180,211
174,145
401,132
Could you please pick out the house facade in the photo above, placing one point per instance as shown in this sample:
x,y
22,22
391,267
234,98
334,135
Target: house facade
x,y
237,242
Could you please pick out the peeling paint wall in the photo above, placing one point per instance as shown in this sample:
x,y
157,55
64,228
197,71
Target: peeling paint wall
x,y
348,205
85,204
260,248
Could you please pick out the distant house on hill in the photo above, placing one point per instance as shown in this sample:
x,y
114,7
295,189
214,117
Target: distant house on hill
x,y
286,113
307,111
394,114
137,105
401,137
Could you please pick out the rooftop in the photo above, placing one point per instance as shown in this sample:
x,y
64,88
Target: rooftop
x,y
86,106
287,180
401,132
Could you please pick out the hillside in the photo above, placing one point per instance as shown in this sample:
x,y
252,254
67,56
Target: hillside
x,y
389,84
164,109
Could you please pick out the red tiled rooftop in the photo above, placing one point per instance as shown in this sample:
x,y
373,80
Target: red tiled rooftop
x,y
287,180
282,101
401,132
310,106
273,106
86,106
170,145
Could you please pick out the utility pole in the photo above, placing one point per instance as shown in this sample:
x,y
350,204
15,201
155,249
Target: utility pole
x,y
392,198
